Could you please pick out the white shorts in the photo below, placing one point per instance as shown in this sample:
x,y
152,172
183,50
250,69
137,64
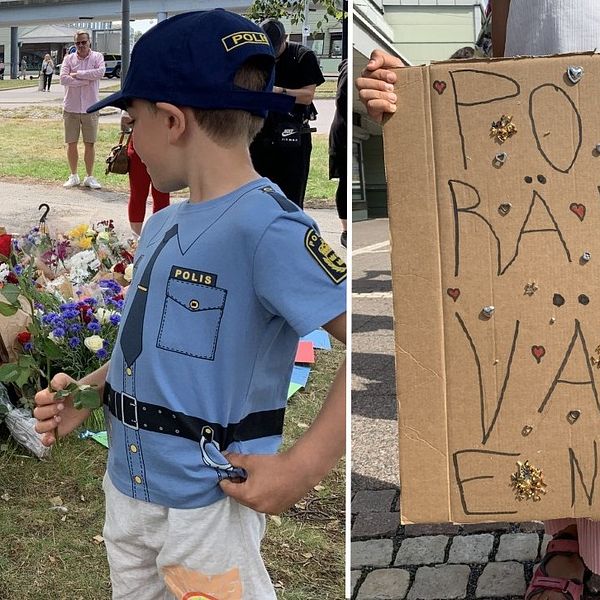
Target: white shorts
x,y
142,538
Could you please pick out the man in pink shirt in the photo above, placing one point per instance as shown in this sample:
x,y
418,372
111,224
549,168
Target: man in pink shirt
x,y
80,75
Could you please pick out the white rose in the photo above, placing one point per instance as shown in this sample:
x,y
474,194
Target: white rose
x,y
94,343
103,236
103,315
128,273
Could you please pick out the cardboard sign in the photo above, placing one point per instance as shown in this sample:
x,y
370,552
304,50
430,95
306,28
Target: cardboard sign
x,y
493,174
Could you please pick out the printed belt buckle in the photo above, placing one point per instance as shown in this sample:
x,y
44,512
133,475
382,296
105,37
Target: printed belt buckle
x,y
129,414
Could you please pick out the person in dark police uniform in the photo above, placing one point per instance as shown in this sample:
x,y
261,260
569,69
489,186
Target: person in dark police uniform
x,y
281,151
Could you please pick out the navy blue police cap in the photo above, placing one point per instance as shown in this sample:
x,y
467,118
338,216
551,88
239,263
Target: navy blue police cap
x,y
191,60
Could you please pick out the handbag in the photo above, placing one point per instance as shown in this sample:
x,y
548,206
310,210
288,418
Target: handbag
x,y
117,160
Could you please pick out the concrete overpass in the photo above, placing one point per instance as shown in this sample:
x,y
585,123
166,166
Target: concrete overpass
x,y
16,13
19,13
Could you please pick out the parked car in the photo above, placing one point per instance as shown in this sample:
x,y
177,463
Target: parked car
x,y
113,65
112,62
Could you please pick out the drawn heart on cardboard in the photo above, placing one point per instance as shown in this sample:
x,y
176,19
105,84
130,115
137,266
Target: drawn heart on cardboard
x,y
439,86
578,209
454,293
538,353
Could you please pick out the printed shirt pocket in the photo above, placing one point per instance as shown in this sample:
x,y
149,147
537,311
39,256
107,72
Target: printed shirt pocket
x,y
191,318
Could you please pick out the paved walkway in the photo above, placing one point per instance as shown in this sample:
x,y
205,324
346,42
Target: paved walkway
x,y
31,96
74,206
417,562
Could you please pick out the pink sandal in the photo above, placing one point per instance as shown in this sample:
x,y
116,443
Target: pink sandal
x,y
572,589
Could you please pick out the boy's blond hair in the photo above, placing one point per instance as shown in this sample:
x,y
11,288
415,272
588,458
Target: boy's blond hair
x,y
227,127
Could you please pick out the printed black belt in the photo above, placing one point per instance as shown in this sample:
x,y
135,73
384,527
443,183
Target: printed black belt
x,y
151,417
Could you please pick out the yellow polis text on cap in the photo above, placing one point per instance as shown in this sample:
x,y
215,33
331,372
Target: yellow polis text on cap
x,y
235,40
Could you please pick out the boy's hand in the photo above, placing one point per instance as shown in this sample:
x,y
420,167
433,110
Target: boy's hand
x,y
56,418
376,84
273,484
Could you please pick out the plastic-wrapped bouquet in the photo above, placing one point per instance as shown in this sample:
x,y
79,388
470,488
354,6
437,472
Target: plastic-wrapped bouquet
x,y
73,335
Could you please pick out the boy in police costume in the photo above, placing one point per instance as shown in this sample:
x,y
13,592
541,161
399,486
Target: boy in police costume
x,y
224,285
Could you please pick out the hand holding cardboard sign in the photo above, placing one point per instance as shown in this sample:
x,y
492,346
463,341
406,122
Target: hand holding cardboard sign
x,y
376,84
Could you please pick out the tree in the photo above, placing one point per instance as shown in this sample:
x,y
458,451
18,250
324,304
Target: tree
x,y
293,10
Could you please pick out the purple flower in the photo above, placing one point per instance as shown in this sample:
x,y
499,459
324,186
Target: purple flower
x,y
50,319
102,353
71,313
74,342
115,319
27,346
68,306
93,326
110,284
18,269
58,332
75,327
91,301
62,249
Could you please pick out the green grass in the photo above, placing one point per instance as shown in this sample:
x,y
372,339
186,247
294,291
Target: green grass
x,y
41,156
11,84
325,90
43,557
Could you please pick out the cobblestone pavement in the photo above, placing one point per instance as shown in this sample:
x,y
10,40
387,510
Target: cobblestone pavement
x,y
416,562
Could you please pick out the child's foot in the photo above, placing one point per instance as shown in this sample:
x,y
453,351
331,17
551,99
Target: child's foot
x,y
560,575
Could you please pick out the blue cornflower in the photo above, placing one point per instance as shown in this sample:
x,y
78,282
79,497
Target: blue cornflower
x,y
115,319
91,301
93,326
71,313
49,319
75,327
102,353
119,304
18,269
27,346
38,305
68,306
58,332
74,342
110,284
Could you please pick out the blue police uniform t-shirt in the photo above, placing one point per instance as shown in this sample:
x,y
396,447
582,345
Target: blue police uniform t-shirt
x,y
221,292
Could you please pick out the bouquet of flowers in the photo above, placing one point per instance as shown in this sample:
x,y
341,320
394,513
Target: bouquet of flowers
x,y
60,307
70,335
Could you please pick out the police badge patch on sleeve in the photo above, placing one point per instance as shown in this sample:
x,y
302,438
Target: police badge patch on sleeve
x,y
326,258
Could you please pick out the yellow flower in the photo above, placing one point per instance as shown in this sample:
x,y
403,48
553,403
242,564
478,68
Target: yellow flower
x,y
78,231
84,243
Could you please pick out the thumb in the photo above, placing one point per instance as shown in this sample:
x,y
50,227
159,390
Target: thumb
x,y
59,382
375,60
237,460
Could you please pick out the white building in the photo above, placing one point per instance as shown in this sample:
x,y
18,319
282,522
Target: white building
x,y
418,31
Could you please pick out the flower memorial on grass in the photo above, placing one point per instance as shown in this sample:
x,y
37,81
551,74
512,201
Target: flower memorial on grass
x,y
60,306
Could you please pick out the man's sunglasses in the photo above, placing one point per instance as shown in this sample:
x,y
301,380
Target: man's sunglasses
x,y
83,43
